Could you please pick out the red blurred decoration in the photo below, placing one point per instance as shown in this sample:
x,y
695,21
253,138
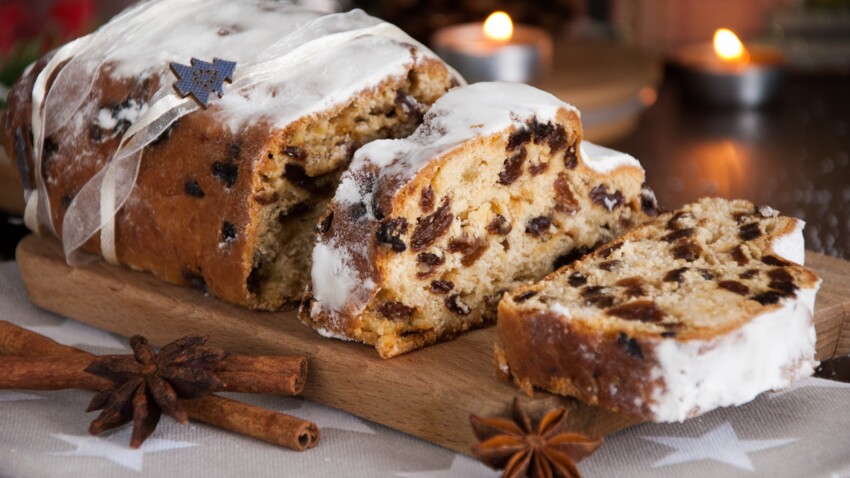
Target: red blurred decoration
x,y
74,17
47,24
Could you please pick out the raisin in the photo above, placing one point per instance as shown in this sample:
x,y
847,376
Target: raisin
x,y
687,251
395,311
769,297
780,275
570,157
428,259
390,232
499,226
787,287
513,168
599,195
431,227
610,265
426,200
706,274
675,275
750,231
192,188
195,281
677,221
524,296
537,169
739,256
630,345
542,131
565,199
648,201
296,153
642,310
608,250
228,232
539,225
235,151
570,257
595,295
775,261
518,138
557,139
454,304
265,198
679,234
226,173
633,285
749,274
471,250
442,286
325,223
577,279
734,286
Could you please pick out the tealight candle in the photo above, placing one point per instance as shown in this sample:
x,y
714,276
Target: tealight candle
x,y
495,50
729,73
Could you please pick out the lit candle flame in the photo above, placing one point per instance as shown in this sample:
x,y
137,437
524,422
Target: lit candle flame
x,y
729,48
499,27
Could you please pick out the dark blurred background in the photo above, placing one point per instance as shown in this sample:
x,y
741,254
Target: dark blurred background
x,y
613,60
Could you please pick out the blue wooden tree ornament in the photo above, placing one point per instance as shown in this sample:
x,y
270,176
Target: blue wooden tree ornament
x,y
202,78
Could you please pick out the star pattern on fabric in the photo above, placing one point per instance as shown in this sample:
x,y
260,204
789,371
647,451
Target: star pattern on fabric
x,y
461,466
721,444
71,332
202,78
811,382
114,448
10,396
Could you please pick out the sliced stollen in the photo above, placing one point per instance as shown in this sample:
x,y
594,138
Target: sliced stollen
x,y
704,307
425,233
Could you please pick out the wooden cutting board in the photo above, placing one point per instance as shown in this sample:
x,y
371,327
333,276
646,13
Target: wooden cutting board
x,y
429,393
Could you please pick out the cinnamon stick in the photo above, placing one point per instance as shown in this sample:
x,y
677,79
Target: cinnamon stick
x,y
49,373
256,422
277,428
283,375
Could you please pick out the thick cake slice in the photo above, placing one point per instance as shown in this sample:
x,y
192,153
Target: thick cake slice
x,y
426,233
704,307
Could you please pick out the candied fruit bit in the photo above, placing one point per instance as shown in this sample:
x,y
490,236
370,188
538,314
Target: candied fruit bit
x,y
431,227
426,200
442,286
565,199
394,310
786,287
750,231
734,286
780,275
770,297
640,310
595,295
610,265
633,286
775,261
499,226
192,188
539,225
513,167
599,195
454,304
524,296
390,232
538,168
739,256
429,259
577,279
630,345
749,274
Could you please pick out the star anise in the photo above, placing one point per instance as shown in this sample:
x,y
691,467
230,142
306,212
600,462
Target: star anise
x,y
146,384
520,450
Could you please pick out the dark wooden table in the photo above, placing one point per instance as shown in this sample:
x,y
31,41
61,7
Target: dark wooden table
x,y
793,155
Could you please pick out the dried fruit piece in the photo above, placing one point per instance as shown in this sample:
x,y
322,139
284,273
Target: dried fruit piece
x,y
687,251
431,227
227,173
426,200
471,249
749,231
577,279
599,195
192,188
513,167
565,199
679,234
390,233
499,226
454,304
442,286
524,296
734,286
539,225
394,310
675,275
641,310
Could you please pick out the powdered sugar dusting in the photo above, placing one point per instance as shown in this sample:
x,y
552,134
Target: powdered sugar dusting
x,y
605,160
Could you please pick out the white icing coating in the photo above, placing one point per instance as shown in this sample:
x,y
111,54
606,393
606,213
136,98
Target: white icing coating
x,y
769,352
291,62
605,160
791,246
